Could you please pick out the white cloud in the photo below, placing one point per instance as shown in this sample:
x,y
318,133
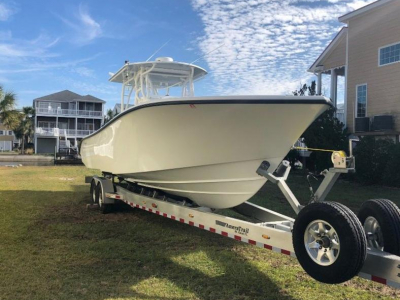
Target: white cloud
x,y
268,45
18,48
84,72
6,11
41,65
85,28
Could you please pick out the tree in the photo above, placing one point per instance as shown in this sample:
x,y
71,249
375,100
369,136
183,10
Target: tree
x,y
310,90
326,132
24,130
8,114
109,115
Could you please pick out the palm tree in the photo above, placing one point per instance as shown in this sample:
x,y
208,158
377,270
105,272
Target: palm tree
x,y
24,131
8,114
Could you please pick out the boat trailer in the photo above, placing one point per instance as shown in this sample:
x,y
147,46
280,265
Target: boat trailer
x,y
330,242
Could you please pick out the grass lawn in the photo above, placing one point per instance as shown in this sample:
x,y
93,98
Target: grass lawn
x,y
51,247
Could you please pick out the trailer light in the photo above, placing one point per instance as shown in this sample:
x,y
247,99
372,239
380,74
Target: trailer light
x,y
190,215
267,237
154,205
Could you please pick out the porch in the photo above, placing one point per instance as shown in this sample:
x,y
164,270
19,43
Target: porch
x,y
331,71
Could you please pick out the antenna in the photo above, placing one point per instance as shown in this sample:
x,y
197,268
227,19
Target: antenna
x,y
207,54
158,49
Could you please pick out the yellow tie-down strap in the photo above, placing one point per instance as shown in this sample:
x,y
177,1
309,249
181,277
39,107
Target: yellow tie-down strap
x,y
314,149
335,153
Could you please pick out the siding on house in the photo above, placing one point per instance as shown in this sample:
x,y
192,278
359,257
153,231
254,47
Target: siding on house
x,y
337,58
5,136
367,33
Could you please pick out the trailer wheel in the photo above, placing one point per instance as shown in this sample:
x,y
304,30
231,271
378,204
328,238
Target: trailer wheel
x,y
93,192
104,208
329,242
381,221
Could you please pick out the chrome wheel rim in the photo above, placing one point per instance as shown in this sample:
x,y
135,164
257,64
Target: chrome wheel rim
x,y
322,242
374,233
100,197
94,194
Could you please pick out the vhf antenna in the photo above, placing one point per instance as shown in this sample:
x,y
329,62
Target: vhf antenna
x,y
207,54
158,49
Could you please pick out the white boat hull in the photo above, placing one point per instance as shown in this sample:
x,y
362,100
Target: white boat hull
x,y
205,149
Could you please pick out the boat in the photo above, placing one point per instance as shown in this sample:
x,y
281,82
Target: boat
x,y
205,149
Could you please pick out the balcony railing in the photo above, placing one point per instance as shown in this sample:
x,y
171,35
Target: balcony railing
x,y
68,112
75,132
89,113
43,131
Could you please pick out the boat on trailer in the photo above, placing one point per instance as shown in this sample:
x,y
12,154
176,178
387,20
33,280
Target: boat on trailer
x,y
185,157
205,149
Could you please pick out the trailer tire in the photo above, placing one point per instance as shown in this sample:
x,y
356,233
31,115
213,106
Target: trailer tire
x,y
329,242
381,218
93,195
104,208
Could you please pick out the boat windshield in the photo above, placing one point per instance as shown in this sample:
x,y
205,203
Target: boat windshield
x,y
163,78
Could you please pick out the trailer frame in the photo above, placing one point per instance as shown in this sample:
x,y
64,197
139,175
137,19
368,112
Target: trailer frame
x,y
271,230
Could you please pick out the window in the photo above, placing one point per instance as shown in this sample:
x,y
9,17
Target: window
x,y
361,105
1,132
10,132
46,124
389,54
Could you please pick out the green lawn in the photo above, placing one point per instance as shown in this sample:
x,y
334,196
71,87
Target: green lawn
x,y
52,247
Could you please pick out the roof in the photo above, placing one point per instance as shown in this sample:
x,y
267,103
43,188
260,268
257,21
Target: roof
x,y
167,70
91,98
345,18
118,105
67,96
328,50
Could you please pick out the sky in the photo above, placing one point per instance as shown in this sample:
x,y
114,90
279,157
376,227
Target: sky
x,y
250,47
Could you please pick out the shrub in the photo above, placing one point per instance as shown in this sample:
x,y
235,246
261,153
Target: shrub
x,y
372,157
326,132
29,151
391,176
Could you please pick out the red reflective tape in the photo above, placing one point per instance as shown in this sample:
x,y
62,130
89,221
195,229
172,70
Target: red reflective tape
x,y
157,212
238,238
285,252
173,217
165,215
144,207
191,223
182,220
212,229
201,226
378,279
224,233
137,205
150,210
267,247
252,242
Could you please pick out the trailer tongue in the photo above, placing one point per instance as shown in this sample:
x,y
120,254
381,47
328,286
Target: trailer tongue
x,y
329,241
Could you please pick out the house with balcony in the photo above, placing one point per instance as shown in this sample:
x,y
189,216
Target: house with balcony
x,y
366,53
8,141
62,119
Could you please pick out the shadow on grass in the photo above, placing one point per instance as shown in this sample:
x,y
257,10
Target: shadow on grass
x,y
62,250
